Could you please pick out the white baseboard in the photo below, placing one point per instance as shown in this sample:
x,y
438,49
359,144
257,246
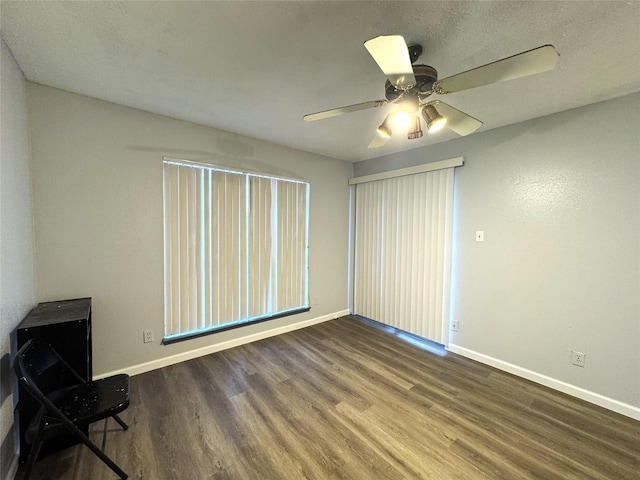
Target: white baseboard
x,y
199,352
581,393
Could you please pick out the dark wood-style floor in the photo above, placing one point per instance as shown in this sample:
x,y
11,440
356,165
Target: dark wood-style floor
x,y
347,400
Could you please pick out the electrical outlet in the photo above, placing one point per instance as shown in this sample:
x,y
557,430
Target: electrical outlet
x,y
577,358
147,336
480,236
455,325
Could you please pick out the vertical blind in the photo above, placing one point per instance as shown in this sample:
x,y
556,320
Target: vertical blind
x,y
402,264
235,247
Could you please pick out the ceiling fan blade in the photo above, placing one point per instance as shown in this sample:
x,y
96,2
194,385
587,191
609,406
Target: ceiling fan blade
x,y
457,121
377,141
523,64
342,110
392,56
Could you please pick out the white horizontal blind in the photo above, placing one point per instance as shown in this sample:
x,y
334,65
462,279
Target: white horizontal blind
x,y
403,252
235,247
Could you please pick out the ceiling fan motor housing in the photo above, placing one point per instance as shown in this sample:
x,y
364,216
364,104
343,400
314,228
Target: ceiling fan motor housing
x,y
425,78
415,50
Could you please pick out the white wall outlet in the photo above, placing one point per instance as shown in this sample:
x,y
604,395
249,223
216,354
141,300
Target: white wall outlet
x,y
577,358
480,236
147,336
455,325
316,301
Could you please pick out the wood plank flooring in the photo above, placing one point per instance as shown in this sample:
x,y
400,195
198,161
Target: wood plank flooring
x,y
347,400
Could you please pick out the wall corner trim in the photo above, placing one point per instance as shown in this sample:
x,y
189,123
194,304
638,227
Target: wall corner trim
x,y
578,392
13,468
199,352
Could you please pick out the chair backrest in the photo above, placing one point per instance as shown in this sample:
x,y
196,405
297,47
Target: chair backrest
x,y
41,370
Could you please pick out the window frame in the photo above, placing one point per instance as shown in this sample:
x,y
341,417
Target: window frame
x,y
302,263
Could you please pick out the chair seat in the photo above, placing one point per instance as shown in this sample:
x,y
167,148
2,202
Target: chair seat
x,y
93,401
39,369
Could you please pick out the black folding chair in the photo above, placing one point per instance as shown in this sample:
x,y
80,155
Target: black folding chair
x,y
41,371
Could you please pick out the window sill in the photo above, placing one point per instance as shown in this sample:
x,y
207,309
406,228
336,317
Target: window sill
x,y
239,324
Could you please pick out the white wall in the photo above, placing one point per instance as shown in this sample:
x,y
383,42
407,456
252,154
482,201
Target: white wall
x,y
17,283
557,197
97,176
559,201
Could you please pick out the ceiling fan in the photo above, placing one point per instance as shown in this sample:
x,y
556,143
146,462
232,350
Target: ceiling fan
x,y
410,86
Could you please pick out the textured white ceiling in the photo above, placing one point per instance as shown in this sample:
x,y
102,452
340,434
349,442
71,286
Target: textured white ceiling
x,y
255,68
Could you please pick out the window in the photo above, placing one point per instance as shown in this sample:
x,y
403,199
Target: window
x,y
403,231
236,248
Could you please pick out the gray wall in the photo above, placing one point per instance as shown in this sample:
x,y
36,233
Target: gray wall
x,y
559,201
97,181
17,282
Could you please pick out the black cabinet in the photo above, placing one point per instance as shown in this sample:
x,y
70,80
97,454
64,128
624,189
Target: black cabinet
x,y
66,325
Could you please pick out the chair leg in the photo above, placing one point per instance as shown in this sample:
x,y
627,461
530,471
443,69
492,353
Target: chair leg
x,y
110,463
36,445
33,456
122,424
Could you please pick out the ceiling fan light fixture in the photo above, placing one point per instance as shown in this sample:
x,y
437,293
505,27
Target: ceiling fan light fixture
x,y
416,129
401,119
384,130
434,120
